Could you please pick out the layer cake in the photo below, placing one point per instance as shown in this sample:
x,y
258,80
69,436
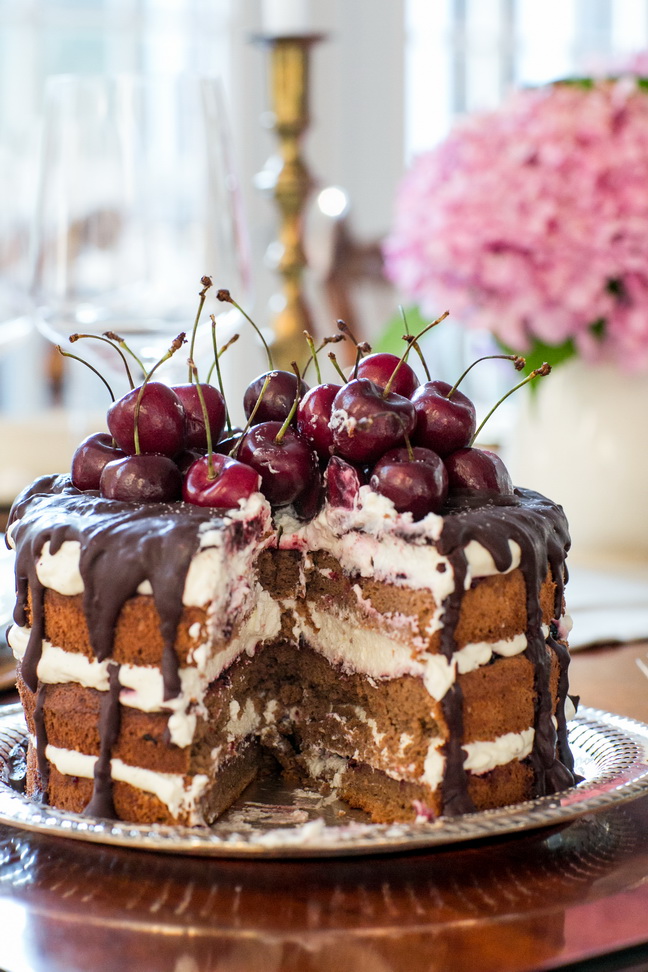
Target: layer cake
x,y
414,668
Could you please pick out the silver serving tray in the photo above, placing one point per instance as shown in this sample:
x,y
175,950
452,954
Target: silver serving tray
x,y
270,820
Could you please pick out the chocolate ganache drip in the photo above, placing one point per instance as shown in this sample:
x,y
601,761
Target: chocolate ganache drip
x,y
121,545
539,528
101,803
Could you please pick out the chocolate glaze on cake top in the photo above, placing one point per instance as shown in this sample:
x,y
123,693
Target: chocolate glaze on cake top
x,y
124,544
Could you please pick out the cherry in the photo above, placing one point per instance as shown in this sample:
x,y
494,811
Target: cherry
x,y
313,416
195,434
342,483
231,482
309,502
161,422
90,458
379,368
229,443
141,478
415,480
442,424
283,459
366,421
278,397
477,471
186,459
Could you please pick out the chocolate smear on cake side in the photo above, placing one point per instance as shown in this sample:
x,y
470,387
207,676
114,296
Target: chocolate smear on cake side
x,y
456,799
41,740
539,528
101,802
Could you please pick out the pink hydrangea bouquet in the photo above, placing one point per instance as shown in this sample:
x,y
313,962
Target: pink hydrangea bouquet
x,y
532,221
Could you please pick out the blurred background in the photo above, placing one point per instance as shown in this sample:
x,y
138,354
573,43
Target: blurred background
x,y
388,81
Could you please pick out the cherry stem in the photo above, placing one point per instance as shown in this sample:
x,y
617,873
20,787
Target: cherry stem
x,y
518,361
414,343
225,297
105,340
216,365
410,451
211,472
235,447
66,354
410,344
331,339
122,344
313,357
175,345
408,337
335,364
291,414
206,284
361,350
228,344
346,330
540,372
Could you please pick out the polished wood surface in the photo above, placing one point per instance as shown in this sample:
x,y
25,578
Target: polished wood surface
x,y
535,901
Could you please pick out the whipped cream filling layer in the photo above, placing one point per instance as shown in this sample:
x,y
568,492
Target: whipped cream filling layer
x,y
363,651
142,685
180,794
373,540
482,756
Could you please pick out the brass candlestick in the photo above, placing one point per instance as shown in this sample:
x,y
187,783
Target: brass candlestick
x,y
289,86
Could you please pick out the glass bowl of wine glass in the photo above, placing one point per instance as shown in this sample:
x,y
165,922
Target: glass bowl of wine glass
x,y
137,200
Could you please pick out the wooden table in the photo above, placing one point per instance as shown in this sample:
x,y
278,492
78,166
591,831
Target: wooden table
x,y
537,901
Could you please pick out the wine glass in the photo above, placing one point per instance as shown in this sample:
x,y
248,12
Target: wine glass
x,y
16,193
137,200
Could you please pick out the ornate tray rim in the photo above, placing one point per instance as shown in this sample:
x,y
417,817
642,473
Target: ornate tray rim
x,y
618,772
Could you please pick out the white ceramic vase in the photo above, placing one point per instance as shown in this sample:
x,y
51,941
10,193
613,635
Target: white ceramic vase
x,y
582,439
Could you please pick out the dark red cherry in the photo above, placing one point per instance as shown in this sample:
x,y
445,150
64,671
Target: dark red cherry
x,y
342,483
277,399
236,431
286,467
309,502
90,458
141,479
416,484
313,416
226,445
186,459
195,434
379,368
477,471
233,482
366,423
442,424
161,423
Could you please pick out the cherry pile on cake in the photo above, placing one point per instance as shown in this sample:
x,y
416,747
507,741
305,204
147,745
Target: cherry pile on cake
x,y
346,591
